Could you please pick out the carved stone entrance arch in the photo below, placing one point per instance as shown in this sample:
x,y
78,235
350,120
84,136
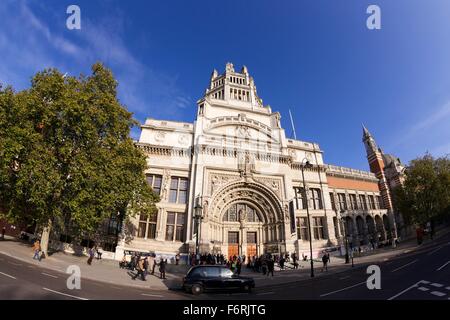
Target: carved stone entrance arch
x,y
268,230
251,192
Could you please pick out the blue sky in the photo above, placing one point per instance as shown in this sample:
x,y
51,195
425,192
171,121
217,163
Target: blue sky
x,y
315,57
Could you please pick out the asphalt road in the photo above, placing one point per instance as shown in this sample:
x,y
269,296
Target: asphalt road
x,y
422,274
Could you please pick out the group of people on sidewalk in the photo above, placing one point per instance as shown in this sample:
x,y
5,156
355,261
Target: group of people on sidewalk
x,y
142,265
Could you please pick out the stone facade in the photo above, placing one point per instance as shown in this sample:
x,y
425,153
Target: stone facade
x,y
237,163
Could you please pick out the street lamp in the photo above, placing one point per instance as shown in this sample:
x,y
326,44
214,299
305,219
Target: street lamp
x,y
344,223
198,216
307,164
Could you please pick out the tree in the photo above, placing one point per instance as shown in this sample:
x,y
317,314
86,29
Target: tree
x,y
66,153
425,194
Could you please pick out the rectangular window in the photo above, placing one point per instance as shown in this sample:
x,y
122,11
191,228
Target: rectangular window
x,y
362,199
175,226
380,202
353,202
371,202
178,190
342,201
151,222
318,228
316,197
336,227
152,226
179,236
302,228
251,237
333,204
233,237
170,226
154,181
300,202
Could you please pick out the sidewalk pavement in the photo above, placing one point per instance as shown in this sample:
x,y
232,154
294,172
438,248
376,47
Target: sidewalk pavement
x,y
337,264
108,270
101,270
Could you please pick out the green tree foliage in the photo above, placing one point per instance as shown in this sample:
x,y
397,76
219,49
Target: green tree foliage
x,y
426,191
66,152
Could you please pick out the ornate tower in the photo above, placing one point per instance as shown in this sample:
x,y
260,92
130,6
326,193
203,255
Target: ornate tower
x,y
376,164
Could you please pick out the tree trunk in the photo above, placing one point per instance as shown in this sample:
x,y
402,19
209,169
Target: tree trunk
x,y
45,238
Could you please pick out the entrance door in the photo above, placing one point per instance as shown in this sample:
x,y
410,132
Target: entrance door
x,y
251,244
233,244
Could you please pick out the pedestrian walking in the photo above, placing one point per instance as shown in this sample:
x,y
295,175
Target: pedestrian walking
x,y
177,258
91,256
146,266
162,268
3,233
140,270
294,260
152,263
99,253
238,267
37,250
325,258
270,266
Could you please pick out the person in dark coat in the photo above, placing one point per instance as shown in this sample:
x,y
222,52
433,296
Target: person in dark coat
x,y
270,266
162,268
238,267
325,259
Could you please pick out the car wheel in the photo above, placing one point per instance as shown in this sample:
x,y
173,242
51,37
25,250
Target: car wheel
x,y
248,288
197,289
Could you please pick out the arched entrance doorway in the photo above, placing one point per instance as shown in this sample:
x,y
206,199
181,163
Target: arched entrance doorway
x,y
381,236
361,230
250,219
242,220
371,229
387,227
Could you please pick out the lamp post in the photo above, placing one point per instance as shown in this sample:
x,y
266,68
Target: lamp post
x,y
198,216
306,164
347,260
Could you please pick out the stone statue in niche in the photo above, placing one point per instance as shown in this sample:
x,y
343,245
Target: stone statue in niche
x,y
242,216
165,185
246,165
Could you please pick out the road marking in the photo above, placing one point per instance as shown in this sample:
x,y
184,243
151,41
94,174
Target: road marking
x,y
423,289
438,285
443,266
65,294
407,289
152,295
448,288
429,253
264,293
437,293
7,275
405,265
343,278
355,285
15,264
49,275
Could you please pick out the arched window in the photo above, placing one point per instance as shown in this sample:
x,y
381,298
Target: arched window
x,y
233,213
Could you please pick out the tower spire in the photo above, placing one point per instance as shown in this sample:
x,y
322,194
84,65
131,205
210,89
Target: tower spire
x,y
366,133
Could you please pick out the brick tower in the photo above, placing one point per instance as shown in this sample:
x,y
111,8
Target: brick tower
x,y
377,165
